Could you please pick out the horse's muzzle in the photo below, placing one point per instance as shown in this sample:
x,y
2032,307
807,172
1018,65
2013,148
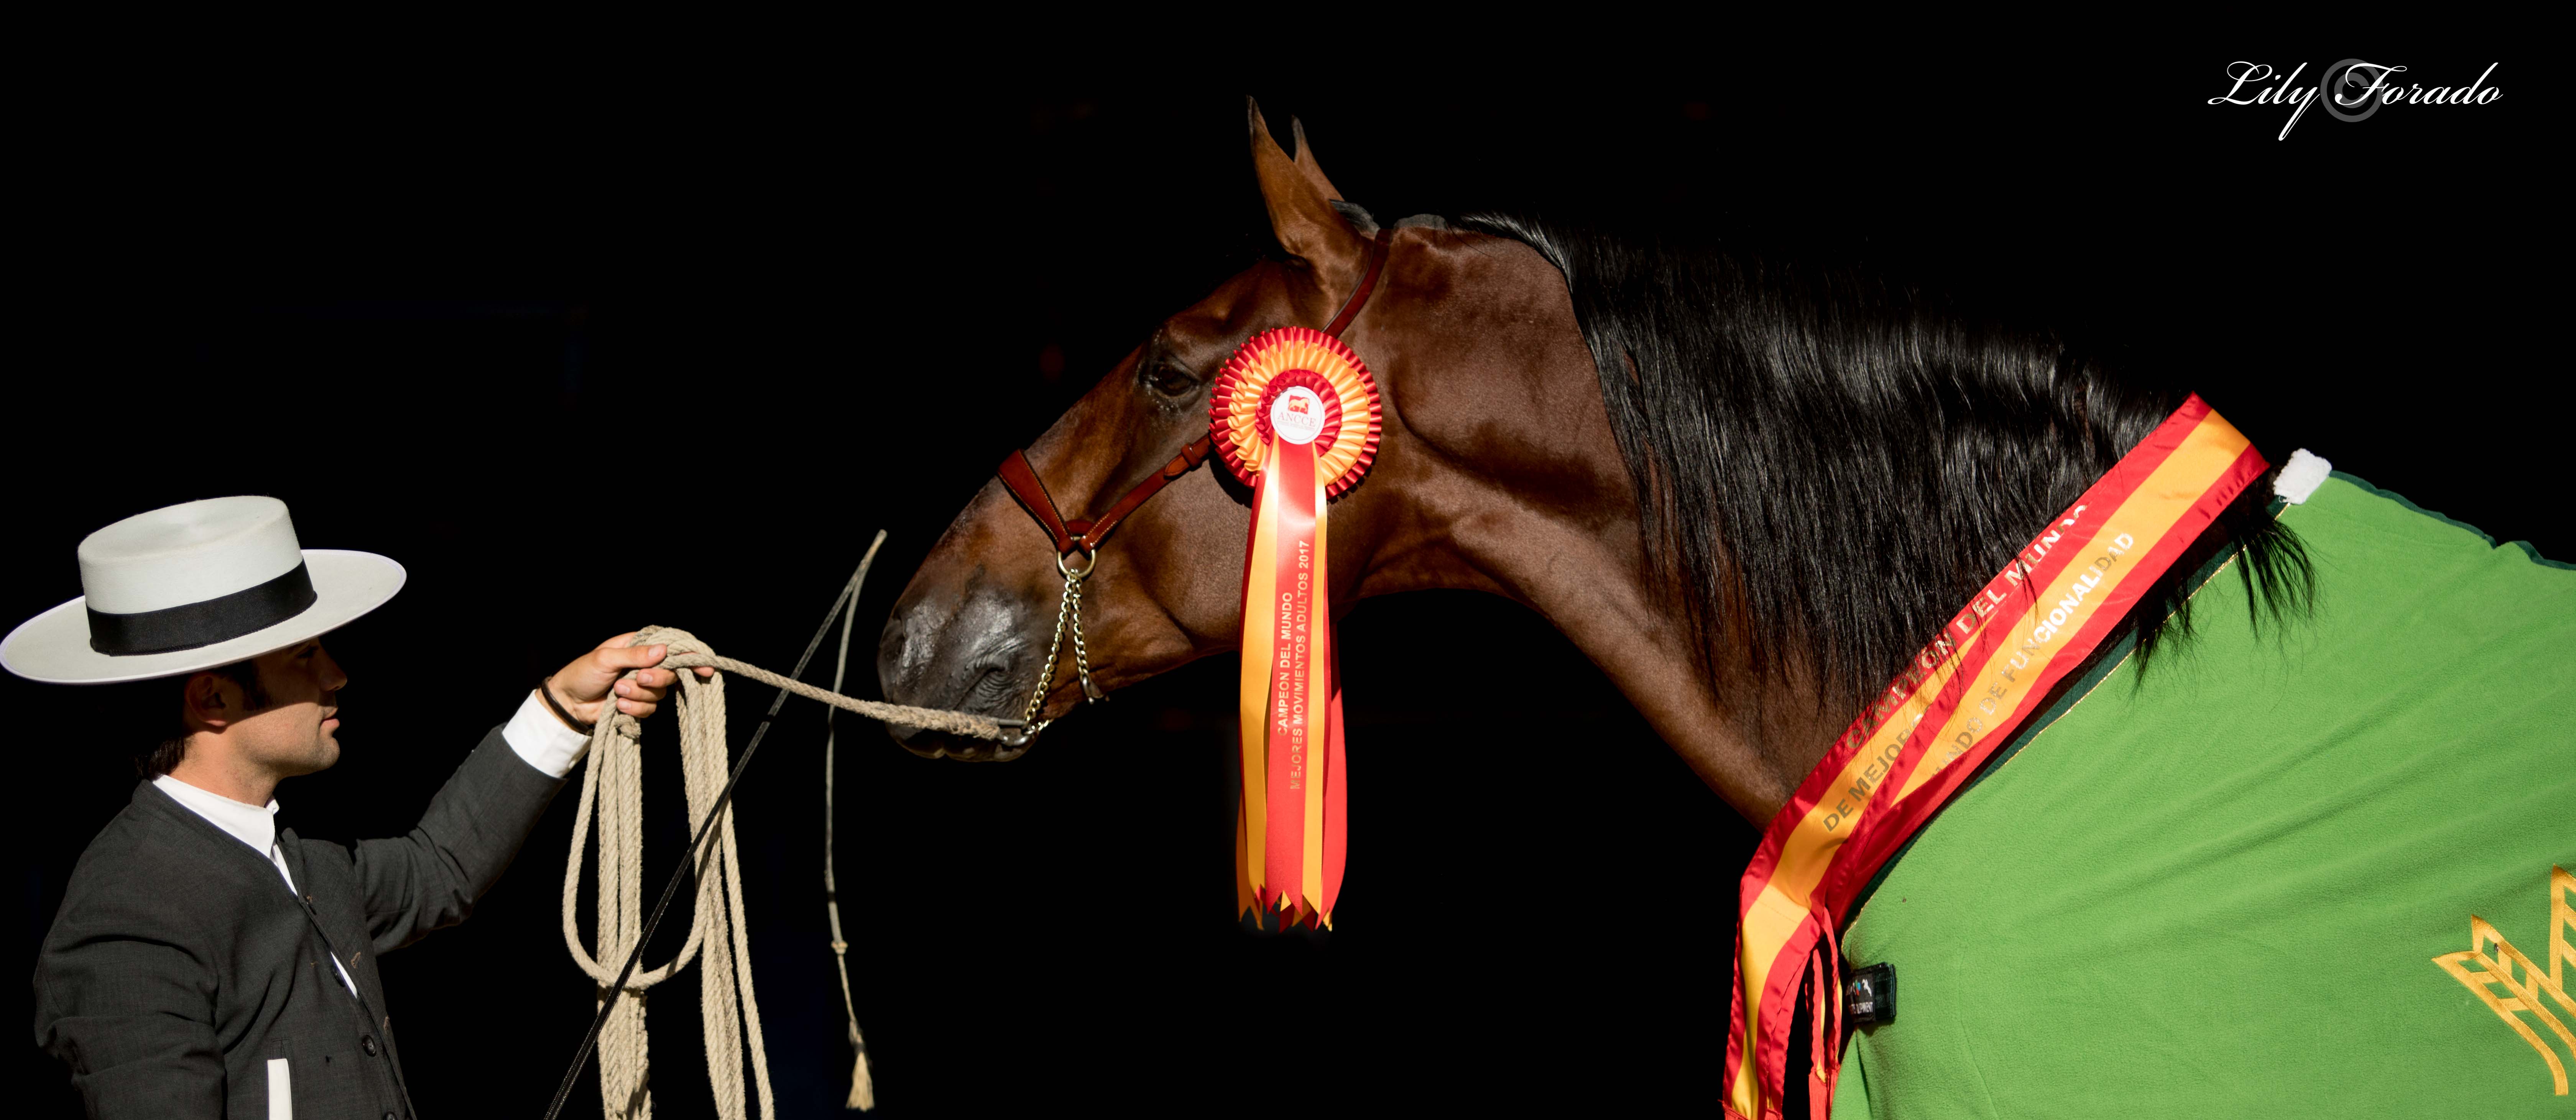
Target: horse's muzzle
x,y
977,659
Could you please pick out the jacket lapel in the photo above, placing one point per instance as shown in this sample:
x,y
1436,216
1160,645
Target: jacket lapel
x,y
254,872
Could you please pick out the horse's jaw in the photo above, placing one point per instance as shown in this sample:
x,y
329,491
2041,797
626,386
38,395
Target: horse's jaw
x,y
932,744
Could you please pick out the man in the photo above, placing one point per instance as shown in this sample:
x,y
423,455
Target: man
x,y
204,962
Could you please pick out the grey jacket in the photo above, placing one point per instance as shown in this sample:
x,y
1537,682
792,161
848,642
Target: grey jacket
x,y
180,964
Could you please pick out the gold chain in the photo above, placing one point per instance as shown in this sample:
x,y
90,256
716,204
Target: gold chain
x,y
1068,616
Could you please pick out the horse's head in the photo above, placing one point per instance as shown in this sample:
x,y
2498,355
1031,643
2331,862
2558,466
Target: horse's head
x,y
1491,414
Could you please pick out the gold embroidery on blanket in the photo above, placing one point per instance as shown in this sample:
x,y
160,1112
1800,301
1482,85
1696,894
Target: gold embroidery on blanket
x,y
2484,972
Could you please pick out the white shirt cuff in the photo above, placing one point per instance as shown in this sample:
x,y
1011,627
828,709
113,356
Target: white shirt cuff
x,y
542,739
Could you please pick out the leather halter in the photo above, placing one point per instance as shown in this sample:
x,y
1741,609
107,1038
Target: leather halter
x,y
1072,535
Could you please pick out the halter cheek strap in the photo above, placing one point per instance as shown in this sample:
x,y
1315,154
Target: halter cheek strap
x,y
1072,535
1368,283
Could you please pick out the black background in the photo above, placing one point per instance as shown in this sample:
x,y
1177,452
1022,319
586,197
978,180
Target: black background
x,y
668,347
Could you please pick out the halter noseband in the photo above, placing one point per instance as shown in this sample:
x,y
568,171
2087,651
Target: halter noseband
x,y
1084,535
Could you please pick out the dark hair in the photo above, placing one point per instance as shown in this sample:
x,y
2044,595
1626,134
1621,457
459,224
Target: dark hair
x,y
164,758
1839,460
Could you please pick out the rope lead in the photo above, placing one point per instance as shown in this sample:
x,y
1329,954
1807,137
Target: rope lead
x,y
612,785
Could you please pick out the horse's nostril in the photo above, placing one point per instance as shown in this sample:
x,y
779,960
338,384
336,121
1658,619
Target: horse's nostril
x,y
991,690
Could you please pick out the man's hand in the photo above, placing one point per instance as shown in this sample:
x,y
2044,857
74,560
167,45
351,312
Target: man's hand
x,y
583,687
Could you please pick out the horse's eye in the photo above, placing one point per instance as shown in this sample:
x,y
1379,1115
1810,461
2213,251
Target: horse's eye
x,y
1171,382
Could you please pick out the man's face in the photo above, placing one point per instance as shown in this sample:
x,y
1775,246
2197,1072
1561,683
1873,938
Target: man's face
x,y
295,733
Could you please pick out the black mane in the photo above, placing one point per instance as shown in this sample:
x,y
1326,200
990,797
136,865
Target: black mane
x,y
1867,454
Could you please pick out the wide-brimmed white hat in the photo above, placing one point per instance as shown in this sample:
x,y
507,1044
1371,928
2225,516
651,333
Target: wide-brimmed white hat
x,y
195,586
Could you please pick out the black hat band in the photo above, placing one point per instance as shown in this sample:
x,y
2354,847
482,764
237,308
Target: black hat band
x,y
190,625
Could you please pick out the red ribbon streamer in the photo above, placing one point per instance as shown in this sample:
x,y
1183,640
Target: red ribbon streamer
x,y
1292,469
1302,789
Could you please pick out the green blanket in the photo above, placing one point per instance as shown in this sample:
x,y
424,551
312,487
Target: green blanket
x,y
2223,893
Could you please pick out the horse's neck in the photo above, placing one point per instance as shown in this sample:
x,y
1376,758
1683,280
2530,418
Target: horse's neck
x,y
1750,736
1501,474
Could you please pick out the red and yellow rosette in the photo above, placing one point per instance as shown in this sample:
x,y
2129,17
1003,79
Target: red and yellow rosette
x,y
1295,415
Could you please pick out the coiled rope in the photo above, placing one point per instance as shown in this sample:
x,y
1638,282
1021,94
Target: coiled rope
x,y
612,784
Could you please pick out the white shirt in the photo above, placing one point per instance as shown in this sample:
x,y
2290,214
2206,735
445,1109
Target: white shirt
x,y
539,738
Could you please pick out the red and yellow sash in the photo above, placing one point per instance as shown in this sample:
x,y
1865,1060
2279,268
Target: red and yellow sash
x,y
1963,696
1296,415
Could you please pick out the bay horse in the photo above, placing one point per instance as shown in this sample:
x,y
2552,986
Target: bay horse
x,y
1796,433
1745,485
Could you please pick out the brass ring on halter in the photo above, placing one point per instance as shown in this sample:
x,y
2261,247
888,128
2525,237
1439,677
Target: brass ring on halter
x,y
1092,560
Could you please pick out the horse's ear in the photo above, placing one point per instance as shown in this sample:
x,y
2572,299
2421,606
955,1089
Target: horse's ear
x,y
1306,164
1300,201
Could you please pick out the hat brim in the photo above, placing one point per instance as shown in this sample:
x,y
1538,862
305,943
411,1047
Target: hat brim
x,y
53,647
